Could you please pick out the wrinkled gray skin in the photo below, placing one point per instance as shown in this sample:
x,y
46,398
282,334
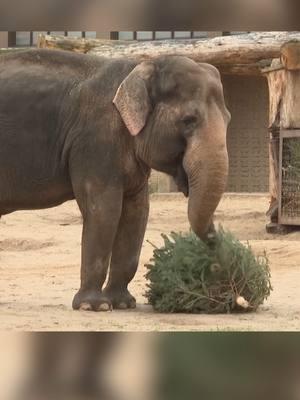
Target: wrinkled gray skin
x,y
90,128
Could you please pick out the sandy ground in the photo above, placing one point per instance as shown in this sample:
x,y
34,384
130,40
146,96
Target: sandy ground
x,y
40,264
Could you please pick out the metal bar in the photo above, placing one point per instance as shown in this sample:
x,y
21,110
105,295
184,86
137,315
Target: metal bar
x,y
12,39
114,35
135,35
172,34
31,38
66,33
83,34
280,179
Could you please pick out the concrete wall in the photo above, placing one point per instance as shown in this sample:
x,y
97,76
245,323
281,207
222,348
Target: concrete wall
x,y
247,139
161,183
247,99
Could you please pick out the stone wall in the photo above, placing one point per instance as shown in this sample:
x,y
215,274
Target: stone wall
x,y
161,183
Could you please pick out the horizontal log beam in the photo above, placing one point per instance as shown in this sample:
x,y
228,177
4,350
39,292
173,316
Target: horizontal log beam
x,y
240,54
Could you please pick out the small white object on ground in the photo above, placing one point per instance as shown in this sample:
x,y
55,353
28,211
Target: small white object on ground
x,y
242,302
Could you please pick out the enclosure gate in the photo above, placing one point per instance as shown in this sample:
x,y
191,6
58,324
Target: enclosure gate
x,y
289,177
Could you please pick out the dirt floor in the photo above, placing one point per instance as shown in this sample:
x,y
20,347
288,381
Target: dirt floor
x,y
40,264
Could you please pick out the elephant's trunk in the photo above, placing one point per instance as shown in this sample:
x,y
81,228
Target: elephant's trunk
x,y
206,164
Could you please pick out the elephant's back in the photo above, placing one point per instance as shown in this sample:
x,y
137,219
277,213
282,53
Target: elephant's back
x,y
40,87
37,73
29,90
68,63
35,87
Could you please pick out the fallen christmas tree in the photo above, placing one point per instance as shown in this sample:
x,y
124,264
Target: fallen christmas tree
x,y
218,276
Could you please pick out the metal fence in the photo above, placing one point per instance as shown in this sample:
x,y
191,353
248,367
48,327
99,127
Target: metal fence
x,y
289,177
23,39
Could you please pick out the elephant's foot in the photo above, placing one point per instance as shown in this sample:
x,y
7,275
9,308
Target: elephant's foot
x,y
91,300
121,299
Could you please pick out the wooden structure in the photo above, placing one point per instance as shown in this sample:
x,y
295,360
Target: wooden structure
x,y
284,125
271,55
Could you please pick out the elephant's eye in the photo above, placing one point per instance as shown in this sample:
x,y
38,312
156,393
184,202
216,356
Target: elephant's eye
x,y
189,120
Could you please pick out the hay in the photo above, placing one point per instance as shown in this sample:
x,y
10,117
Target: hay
x,y
219,276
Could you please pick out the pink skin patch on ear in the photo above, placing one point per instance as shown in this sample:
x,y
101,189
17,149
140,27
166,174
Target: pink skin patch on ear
x,y
132,98
129,110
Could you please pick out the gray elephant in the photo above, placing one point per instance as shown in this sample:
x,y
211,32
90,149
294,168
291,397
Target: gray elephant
x,y
74,126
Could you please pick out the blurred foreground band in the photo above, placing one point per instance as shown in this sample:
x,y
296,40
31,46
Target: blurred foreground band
x,y
108,366
149,15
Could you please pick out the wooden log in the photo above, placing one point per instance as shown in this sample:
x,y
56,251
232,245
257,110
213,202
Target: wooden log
x,y
276,82
284,98
290,104
290,55
240,54
76,44
7,50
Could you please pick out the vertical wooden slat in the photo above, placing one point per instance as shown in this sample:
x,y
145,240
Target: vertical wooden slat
x,y
280,179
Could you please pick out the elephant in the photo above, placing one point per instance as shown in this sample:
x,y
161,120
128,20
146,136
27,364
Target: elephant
x,y
89,128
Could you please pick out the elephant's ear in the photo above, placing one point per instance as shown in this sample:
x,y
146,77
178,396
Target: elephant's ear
x,y
132,98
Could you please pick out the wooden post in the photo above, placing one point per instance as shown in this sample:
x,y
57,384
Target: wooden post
x,y
284,114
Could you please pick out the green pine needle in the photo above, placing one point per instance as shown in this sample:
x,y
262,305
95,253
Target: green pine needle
x,y
192,276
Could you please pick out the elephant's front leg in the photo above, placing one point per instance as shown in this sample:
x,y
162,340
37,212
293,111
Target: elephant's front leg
x,y
101,214
127,248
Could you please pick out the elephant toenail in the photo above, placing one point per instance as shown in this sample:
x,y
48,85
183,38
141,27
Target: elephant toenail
x,y
122,306
104,307
85,307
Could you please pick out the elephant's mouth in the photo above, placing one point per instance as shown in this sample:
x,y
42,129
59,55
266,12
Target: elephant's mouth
x,y
181,181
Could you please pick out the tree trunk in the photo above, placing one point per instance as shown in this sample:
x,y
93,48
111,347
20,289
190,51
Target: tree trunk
x,y
241,54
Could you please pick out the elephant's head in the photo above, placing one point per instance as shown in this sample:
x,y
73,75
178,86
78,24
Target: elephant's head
x,y
175,109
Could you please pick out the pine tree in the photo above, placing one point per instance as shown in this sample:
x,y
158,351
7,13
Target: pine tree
x,y
218,276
